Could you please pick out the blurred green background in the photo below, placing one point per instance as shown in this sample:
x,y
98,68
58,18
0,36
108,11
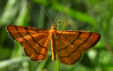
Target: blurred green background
x,y
87,15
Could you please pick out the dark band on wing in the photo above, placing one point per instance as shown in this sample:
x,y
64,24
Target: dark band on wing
x,y
38,30
71,42
77,47
34,39
36,53
96,41
27,42
10,33
85,40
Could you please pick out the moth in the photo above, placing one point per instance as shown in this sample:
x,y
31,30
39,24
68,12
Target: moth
x,y
68,45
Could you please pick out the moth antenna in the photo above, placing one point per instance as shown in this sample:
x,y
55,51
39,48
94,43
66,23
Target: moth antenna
x,y
58,22
48,16
58,14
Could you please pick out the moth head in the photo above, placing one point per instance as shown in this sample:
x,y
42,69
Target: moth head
x,y
53,28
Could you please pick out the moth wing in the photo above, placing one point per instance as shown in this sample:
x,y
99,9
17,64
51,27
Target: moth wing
x,y
34,40
71,44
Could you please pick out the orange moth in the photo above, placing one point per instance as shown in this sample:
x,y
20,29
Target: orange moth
x,y
69,45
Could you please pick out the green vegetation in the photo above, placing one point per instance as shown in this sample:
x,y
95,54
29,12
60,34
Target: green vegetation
x,y
87,15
